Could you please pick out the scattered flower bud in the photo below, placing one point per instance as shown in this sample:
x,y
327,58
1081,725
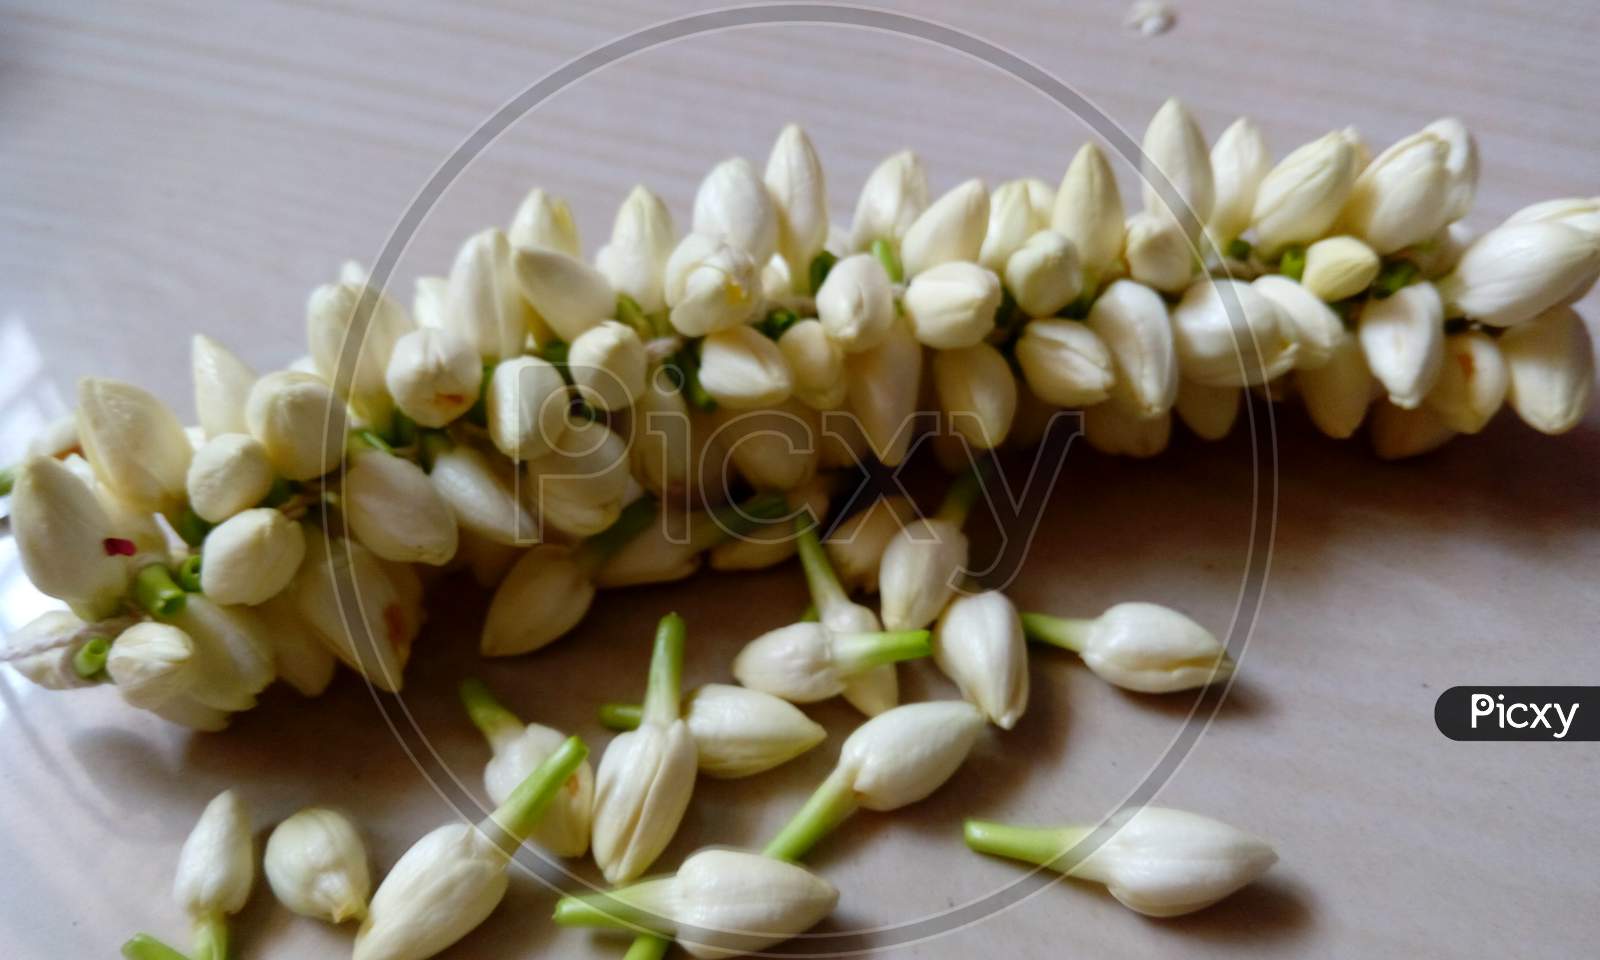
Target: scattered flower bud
x,y
482,494
1338,268
1089,212
299,422
1132,321
1300,198
395,511
816,362
484,302
979,645
216,867
1044,274
1338,393
740,732
1402,338
1515,272
1174,150
711,286
642,238
1139,646
900,757
527,403
229,474
65,539
1066,363
544,222
352,330
1159,253
222,385
1112,430
799,193
569,295
580,487
608,365
977,392
1398,433
316,865
361,609
138,449
895,194
1239,162
953,305
950,230
251,556
434,375
1018,209
857,545
744,370
1229,335
302,659
1209,412
1472,383
1316,327
1580,213
1402,198
1550,363
808,662
734,207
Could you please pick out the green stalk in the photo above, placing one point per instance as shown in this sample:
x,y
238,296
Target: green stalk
x,y
374,441
278,494
648,947
619,909
211,937
884,251
663,696
621,716
1395,275
1045,846
155,592
90,660
478,413
630,313
832,804
513,821
961,496
809,614
723,523
189,573
857,652
821,266
1068,633
190,528
142,946
1292,263
635,517
497,724
8,479
821,580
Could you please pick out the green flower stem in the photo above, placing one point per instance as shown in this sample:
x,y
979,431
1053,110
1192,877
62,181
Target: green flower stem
x,y
856,652
142,946
884,251
190,528
211,937
688,365
821,580
832,804
648,947
1046,846
635,517
963,493
278,494
90,660
727,522
621,716
434,443
157,593
821,266
1395,275
1068,633
629,312
478,413
189,573
371,439
1292,263
497,724
810,614
619,909
515,820
664,695
1238,249
8,479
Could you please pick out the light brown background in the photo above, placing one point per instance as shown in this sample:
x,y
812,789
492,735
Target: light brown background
x,y
172,167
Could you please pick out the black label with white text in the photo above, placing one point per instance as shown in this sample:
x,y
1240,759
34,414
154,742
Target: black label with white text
x,y
1519,713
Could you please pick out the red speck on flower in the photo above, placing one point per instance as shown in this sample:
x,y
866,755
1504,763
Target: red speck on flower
x,y
118,547
394,622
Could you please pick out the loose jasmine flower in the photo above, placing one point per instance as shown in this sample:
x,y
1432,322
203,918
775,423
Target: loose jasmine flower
x,y
1043,274
1339,267
1472,383
1316,328
720,903
816,363
518,751
953,304
744,370
738,732
895,194
883,386
366,611
1338,393
251,556
1066,363
733,206
950,230
434,375
1402,338
646,776
1014,216
544,221
1229,335
138,449
1398,432
216,870
395,511
1159,253
528,404
230,473
222,385
1138,646
302,659
569,295
1550,364
800,196
1515,272
581,487
484,297
979,645
856,303
642,238
352,329
857,545
1157,861
1174,150
1209,412
482,494
711,286
452,879
1132,321
1089,212
923,562
1301,197
1402,198
316,865
1239,162
807,662
977,392
65,539
299,422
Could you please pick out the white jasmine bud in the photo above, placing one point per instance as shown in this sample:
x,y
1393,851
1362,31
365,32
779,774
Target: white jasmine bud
x,y
642,238
1014,216
856,303
1300,198
808,661
1316,327
1089,212
152,663
1339,267
138,449
1398,433
541,598
740,733
229,474
744,370
1338,393
299,422
953,305
734,207
979,645
362,609
919,572
1402,197
352,330
395,511
1159,253
527,405
1156,861
950,230
711,286
434,375
1132,321
977,393
302,659
608,365
882,388
580,487
428,298
222,385
482,494
669,440
440,890
1229,335
895,194
800,196
857,545
1209,412
251,556
1110,429
901,756
1239,162
569,295
1461,163
1139,646
1550,363
545,222
1515,272
484,299
771,544
65,539
1174,150
1472,382
1044,274
816,363
1066,363
1402,338
232,659
773,449
316,865
1580,213
216,866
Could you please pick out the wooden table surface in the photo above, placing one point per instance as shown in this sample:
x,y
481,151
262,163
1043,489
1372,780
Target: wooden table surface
x,y
172,167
